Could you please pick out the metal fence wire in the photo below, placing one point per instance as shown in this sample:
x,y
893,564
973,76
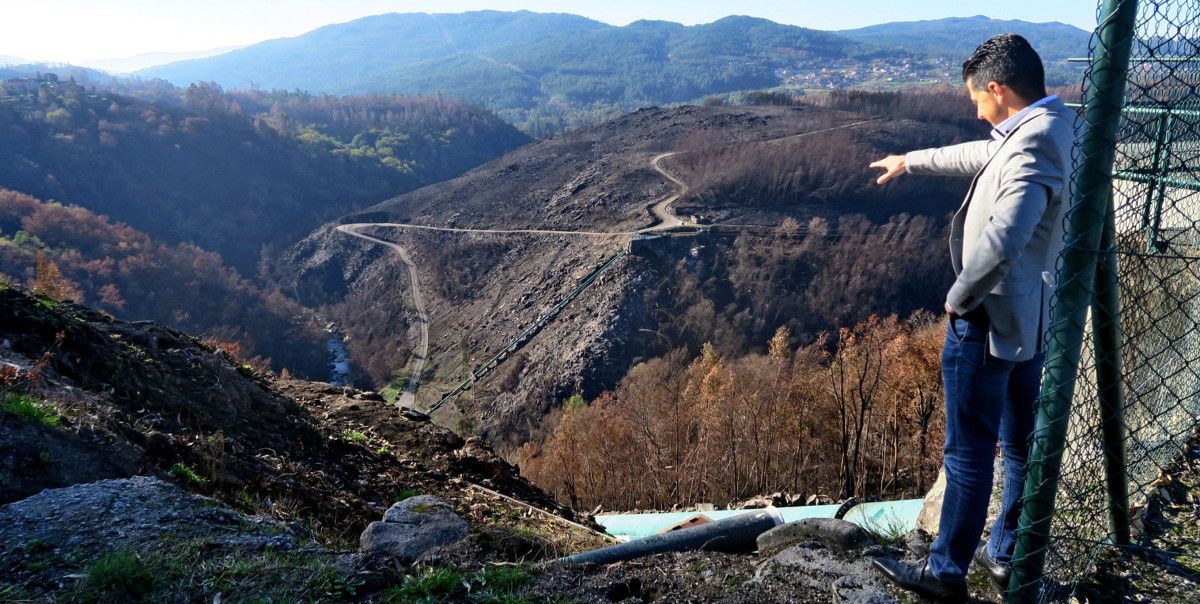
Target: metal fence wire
x,y
1121,393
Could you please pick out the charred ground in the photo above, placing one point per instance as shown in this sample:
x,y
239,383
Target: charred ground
x,y
483,288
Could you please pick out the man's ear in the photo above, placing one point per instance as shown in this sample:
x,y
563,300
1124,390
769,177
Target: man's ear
x,y
997,89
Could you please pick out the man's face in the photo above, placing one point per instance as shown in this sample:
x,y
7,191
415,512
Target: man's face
x,y
988,102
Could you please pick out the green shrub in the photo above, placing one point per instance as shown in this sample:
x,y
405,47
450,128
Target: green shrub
x,y
185,473
119,576
504,579
30,408
432,585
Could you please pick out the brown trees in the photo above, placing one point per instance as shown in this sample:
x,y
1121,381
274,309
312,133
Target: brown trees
x,y
49,281
856,380
856,418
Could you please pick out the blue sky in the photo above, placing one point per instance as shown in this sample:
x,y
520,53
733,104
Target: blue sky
x,y
79,31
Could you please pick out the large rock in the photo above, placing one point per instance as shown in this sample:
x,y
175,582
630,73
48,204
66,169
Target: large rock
x,y
844,579
143,515
931,511
838,535
411,529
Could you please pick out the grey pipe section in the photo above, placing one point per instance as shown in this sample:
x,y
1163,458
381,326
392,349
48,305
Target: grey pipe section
x,y
738,534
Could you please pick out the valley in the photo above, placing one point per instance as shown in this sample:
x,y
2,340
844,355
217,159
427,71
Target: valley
x,y
414,307
661,211
570,203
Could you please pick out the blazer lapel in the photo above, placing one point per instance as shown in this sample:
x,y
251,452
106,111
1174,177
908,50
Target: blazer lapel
x,y
975,180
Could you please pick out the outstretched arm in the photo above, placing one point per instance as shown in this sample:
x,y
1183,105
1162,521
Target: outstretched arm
x,y
955,160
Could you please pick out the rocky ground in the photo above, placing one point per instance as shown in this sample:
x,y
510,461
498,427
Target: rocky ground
x,y
1165,567
86,398
138,464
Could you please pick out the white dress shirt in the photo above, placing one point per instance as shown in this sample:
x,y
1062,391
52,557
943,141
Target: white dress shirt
x,y
1003,128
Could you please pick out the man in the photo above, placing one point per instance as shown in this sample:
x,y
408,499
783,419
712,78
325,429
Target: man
x,y
1004,240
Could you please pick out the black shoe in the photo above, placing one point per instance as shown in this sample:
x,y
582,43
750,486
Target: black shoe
x,y
999,571
917,578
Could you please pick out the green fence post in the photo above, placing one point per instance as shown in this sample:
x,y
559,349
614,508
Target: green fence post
x,y
1076,278
1106,336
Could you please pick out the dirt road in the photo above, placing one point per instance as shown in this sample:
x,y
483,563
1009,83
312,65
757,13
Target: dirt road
x,y
661,211
421,351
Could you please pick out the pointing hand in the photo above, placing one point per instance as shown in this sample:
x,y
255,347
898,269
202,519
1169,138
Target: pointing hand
x,y
892,165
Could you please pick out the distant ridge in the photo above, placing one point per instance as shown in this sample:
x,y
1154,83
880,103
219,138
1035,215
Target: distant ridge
x,y
958,36
546,71
153,59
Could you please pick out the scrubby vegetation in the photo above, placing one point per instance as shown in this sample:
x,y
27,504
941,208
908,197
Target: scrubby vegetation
x,y
233,173
68,252
851,414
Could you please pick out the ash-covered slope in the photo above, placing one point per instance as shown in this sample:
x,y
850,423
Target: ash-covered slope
x,y
481,286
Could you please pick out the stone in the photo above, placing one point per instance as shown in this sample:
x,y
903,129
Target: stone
x,y
142,514
845,579
918,542
755,503
411,529
852,591
931,511
838,535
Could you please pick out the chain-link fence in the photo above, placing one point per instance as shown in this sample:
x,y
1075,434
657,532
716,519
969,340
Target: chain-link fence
x,y
1121,394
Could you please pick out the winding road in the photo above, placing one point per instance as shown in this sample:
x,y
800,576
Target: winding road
x,y
409,396
660,210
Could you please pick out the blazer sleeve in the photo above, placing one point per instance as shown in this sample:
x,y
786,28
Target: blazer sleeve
x,y
955,160
1028,180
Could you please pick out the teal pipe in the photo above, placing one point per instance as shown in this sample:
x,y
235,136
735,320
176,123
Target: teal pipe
x,y
889,517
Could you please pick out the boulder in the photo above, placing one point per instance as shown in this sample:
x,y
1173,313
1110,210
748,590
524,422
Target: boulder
x,y
918,542
838,535
410,529
844,579
931,511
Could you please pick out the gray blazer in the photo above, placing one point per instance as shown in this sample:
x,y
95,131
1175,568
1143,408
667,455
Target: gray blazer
x,y
1008,232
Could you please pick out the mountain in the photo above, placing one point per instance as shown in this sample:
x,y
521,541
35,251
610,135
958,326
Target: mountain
x,y
545,72
121,271
344,58
233,174
958,36
153,59
8,60
64,71
529,66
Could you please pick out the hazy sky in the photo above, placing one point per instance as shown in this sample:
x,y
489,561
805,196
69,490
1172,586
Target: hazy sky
x,y
78,31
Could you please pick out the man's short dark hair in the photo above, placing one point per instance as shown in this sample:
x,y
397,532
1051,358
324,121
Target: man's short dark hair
x,y
1007,59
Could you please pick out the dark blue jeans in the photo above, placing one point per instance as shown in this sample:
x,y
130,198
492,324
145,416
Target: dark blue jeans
x,y
987,398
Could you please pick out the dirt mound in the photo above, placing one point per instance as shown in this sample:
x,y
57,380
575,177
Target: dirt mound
x,y
86,397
